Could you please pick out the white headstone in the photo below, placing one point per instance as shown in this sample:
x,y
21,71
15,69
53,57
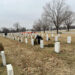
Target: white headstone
x,y
47,37
35,35
57,47
21,39
10,69
26,34
41,44
58,35
11,34
56,38
42,35
18,39
3,58
69,39
31,36
32,42
3,35
26,41
15,38
52,35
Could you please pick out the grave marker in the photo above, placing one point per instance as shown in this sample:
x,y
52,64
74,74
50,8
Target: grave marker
x,y
47,37
41,44
21,39
52,35
26,41
69,39
56,38
42,35
3,58
57,47
58,35
32,42
10,69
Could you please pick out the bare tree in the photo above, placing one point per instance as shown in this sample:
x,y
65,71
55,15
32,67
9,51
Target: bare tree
x,y
17,26
37,25
5,30
23,29
69,21
44,23
57,12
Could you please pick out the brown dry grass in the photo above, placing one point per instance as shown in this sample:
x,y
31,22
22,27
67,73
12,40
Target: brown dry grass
x,y
31,60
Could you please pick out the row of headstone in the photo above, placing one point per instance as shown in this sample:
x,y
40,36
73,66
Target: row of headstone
x,y
47,37
14,36
57,44
9,66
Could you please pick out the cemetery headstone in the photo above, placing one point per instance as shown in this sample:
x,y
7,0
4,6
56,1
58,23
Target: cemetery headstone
x,y
3,58
42,34
21,39
41,44
57,47
52,35
9,69
56,38
47,37
32,42
26,41
69,39
58,35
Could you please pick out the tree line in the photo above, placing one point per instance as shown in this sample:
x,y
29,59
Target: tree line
x,y
56,14
17,28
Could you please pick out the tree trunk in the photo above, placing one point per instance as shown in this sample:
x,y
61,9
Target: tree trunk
x,y
68,28
57,30
44,31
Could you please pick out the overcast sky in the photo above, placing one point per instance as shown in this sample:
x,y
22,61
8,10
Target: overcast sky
x,y
23,11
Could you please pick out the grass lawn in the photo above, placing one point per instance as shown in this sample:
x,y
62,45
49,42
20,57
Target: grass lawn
x,y
31,60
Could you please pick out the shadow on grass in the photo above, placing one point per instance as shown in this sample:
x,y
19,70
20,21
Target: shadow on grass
x,y
49,45
1,64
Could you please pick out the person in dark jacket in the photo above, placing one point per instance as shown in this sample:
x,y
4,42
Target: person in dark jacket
x,y
37,39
